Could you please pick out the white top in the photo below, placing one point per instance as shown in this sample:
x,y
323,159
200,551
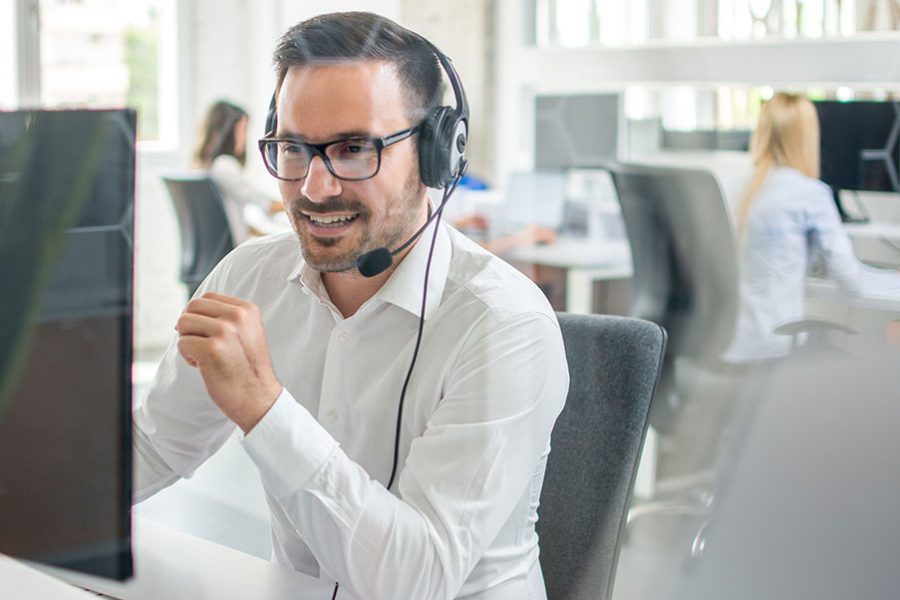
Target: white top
x,y
241,198
793,221
489,382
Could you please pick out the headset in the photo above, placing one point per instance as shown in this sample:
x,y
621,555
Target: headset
x,y
443,134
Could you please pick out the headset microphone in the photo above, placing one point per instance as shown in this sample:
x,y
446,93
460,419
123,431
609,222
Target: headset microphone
x,y
374,262
377,261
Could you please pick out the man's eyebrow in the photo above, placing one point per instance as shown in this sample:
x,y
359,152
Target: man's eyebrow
x,y
344,135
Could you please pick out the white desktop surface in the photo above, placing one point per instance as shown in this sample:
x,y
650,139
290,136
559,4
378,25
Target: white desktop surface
x,y
585,260
828,290
19,580
171,564
575,253
876,230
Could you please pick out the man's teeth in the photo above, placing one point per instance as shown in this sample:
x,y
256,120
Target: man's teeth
x,y
336,220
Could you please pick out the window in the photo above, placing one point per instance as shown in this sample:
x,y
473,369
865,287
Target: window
x,y
8,80
99,53
617,23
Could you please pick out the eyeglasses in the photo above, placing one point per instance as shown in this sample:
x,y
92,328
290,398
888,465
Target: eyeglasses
x,y
350,159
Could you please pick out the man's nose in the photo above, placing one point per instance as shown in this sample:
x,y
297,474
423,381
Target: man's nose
x,y
320,184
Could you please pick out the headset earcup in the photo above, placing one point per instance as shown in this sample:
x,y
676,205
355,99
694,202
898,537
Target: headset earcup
x,y
271,118
456,136
434,162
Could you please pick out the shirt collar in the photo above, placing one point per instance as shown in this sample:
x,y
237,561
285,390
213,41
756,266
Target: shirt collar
x,y
309,278
404,287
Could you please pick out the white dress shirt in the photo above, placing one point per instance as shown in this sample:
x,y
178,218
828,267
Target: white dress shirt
x,y
793,220
489,382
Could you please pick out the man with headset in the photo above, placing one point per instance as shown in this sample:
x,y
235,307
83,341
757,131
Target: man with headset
x,y
308,341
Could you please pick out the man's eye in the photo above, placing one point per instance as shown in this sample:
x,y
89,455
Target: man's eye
x,y
354,149
289,149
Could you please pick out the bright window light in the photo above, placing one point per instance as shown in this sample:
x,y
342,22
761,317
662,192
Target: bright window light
x,y
110,53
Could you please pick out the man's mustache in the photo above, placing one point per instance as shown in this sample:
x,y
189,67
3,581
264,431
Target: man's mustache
x,y
329,205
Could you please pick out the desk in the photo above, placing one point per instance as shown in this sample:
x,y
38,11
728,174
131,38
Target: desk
x,y
875,317
19,580
171,564
824,290
876,243
568,269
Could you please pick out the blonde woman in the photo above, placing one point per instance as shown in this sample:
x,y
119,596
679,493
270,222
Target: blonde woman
x,y
222,152
787,218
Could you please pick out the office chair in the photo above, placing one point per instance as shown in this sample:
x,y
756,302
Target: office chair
x,y
686,279
813,334
203,224
614,365
685,266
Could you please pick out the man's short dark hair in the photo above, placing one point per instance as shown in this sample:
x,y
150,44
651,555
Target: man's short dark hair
x,y
338,37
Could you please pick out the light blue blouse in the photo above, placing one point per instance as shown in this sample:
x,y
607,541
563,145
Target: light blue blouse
x,y
793,221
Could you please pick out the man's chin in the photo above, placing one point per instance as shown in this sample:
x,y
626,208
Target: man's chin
x,y
335,268
328,264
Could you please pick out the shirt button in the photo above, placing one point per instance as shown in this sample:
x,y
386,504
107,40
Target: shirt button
x,y
332,416
343,337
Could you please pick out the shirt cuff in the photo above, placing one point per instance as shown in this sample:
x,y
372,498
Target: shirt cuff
x,y
288,446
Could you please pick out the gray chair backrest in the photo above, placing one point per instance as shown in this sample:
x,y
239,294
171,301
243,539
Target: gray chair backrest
x,y
202,222
614,365
685,260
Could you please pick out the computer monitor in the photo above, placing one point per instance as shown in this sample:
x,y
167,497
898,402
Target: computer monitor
x,y
531,198
860,146
577,130
66,255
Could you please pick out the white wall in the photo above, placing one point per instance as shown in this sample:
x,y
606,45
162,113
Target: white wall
x,y
463,30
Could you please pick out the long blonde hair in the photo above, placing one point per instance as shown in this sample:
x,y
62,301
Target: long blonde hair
x,y
787,135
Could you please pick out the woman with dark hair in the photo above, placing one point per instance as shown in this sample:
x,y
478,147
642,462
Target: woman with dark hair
x,y
222,152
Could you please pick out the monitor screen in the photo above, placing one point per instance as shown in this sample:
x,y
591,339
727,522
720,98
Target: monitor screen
x,y
66,255
576,130
860,149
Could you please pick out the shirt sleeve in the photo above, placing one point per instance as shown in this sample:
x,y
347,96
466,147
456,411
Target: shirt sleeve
x,y
176,428
832,243
460,482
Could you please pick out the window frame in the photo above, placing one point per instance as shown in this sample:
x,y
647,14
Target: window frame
x,y
171,75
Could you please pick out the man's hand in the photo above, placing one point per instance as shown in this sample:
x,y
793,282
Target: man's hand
x,y
223,337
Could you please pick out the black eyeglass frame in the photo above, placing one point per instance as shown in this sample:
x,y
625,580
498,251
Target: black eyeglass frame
x,y
314,150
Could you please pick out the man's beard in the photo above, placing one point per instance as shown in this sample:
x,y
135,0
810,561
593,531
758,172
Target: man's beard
x,y
396,227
